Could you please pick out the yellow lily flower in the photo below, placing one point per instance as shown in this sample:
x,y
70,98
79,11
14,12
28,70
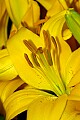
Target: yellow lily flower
x,y
3,24
52,69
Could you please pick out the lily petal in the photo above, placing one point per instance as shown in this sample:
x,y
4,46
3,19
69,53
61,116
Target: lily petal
x,y
17,49
10,88
72,65
3,24
16,7
75,79
32,15
20,101
7,70
56,8
46,3
6,89
75,93
3,84
65,53
47,108
70,112
76,90
54,24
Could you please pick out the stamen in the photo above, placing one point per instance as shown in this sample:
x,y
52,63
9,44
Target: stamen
x,y
41,21
30,45
39,50
38,30
28,60
57,52
58,46
35,60
47,39
54,42
48,57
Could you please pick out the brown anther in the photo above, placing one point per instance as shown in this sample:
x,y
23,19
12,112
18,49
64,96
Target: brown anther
x,y
47,54
57,52
58,46
30,45
39,50
35,60
47,39
38,30
54,42
28,60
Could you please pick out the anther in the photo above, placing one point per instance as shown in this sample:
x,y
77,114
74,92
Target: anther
x,y
54,42
35,60
30,45
39,50
28,60
47,39
47,54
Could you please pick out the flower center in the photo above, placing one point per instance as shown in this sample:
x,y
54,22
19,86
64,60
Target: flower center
x,y
46,62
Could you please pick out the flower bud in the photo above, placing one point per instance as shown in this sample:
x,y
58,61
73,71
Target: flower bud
x,y
73,22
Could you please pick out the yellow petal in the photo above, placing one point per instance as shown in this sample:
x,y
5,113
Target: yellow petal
x,y
71,110
10,88
2,8
75,79
56,8
32,15
64,4
77,117
19,102
6,89
17,49
7,70
16,10
3,53
54,24
67,34
46,3
3,84
47,108
75,93
65,52
3,24
72,65
76,90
